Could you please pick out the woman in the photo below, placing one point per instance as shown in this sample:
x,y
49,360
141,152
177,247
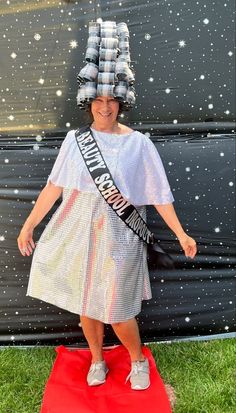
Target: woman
x,y
87,260
105,113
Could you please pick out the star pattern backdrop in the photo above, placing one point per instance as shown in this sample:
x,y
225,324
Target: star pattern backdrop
x,y
183,56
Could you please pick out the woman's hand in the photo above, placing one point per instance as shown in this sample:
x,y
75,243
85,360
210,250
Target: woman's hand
x,y
25,241
188,244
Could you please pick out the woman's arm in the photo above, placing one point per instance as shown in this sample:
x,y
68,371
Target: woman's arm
x,y
44,203
168,213
46,199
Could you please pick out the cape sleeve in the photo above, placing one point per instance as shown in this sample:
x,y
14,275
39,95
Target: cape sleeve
x,y
60,174
156,187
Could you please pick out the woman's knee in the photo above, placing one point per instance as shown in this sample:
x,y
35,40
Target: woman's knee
x,y
91,320
117,324
123,323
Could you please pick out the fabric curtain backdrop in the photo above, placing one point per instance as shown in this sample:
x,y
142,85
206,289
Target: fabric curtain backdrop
x,y
183,59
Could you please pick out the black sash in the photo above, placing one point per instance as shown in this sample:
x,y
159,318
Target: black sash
x,y
103,180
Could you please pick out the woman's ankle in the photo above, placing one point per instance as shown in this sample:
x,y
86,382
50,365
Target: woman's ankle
x,y
96,359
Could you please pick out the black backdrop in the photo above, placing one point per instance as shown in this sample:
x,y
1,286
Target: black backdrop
x,y
183,56
182,53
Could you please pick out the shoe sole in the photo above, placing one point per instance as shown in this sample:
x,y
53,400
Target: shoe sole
x,y
137,387
96,382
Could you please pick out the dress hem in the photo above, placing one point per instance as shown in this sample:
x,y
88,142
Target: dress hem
x,y
87,315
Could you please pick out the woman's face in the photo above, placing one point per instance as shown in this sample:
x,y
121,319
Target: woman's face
x,y
104,110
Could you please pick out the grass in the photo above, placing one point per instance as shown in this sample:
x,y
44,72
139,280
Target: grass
x,y
201,373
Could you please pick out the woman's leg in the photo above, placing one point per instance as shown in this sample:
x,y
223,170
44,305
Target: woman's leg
x,y
93,331
128,334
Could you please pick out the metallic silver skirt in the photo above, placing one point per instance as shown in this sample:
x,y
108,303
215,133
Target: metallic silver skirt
x,y
87,261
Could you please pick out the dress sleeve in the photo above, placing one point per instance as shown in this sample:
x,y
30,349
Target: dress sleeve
x,y
156,185
60,172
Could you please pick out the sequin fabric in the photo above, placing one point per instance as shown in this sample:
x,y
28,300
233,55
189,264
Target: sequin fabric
x,y
87,261
132,159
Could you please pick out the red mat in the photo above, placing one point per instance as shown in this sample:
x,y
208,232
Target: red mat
x,y
67,390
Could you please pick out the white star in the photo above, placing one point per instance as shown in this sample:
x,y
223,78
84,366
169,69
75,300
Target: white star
x,y
73,44
37,36
182,43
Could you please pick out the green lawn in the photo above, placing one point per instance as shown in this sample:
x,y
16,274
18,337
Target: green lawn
x,y
201,373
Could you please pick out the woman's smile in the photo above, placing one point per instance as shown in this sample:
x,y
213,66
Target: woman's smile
x,y
105,111
105,114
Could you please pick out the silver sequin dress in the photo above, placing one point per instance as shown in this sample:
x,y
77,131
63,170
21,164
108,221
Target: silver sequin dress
x,y
87,261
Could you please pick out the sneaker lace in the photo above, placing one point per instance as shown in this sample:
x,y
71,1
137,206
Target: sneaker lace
x,y
96,366
136,368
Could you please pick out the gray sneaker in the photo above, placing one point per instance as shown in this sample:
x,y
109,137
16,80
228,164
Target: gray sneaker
x,y
97,373
139,375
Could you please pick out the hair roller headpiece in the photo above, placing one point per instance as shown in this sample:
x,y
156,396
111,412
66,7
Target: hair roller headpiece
x,y
107,71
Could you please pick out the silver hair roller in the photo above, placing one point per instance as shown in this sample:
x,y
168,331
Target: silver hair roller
x,y
107,71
